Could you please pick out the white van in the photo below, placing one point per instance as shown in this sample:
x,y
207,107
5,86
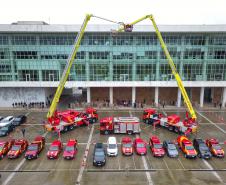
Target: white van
x,y
112,149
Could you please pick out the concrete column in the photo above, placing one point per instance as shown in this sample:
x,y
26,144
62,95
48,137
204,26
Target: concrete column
x,y
40,75
88,95
202,96
133,94
178,98
134,71
224,97
156,95
111,95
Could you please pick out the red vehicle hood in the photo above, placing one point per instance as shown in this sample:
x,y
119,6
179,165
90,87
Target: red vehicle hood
x,y
52,153
31,152
141,150
14,152
191,152
69,154
158,150
220,151
127,149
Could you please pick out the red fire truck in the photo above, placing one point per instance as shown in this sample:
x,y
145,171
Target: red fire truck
x,y
122,125
172,122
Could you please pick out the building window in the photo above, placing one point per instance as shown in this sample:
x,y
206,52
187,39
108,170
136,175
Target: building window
x,y
122,72
98,55
120,56
122,40
194,40
217,53
146,40
50,75
28,75
193,54
145,72
216,72
5,77
78,72
57,39
23,40
96,40
25,55
99,72
4,40
192,72
4,68
172,39
173,53
217,40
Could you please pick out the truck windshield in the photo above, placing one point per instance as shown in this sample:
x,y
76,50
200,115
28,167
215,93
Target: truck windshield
x,y
99,153
127,145
140,145
217,147
189,147
172,147
158,146
112,146
53,148
32,147
69,148
15,147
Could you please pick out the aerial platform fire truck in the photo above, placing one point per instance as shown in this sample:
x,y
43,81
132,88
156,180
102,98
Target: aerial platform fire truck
x,y
120,125
172,122
64,121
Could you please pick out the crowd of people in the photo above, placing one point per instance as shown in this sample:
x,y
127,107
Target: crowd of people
x,y
29,105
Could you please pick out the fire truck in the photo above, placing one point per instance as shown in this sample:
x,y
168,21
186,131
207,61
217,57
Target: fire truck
x,y
120,125
172,122
64,121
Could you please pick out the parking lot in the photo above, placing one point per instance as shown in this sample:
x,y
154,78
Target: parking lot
x,y
120,170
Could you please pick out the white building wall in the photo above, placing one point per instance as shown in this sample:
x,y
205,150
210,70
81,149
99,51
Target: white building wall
x,y
8,96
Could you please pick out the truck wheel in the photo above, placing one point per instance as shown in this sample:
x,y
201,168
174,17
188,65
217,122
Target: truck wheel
x,y
65,129
94,120
170,128
71,127
185,155
147,121
176,130
130,132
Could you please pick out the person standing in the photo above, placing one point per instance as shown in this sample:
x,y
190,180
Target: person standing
x,y
23,132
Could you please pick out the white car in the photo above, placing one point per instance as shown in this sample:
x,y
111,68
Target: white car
x,y
6,121
112,148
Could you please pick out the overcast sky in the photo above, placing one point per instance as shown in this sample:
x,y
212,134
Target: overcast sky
x,y
73,11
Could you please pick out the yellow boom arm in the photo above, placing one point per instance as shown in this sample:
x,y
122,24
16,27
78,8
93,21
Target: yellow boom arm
x,y
67,69
170,61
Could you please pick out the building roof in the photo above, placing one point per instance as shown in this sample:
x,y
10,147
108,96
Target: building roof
x,y
39,26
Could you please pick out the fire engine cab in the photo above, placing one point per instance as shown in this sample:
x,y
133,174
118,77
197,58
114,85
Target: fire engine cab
x,y
120,125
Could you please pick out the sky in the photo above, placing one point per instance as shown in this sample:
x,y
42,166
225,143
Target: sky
x,y
74,11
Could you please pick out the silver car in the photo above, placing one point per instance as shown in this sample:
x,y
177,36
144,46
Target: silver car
x,y
6,121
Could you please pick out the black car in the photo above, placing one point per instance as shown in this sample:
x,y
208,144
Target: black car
x,y
4,131
99,155
170,148
19,120
202,149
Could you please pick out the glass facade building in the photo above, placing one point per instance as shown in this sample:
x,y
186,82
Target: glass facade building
x,y
38,53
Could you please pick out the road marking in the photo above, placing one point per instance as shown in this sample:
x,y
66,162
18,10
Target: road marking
x,y
170,172
166,164
214,173
211,122
85,157
150,182
17,167
181,163
119,167
134,162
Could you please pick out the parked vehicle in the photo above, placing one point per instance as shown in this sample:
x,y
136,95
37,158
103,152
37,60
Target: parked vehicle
x,y
1,118
67,120
54,149
186,147
202,149
156,147
99,155
35,148
17,149
170,148
127,146
6,121
4,131
112,148
172,122
215,148
120,125
18,120
5,146
71,149
140,146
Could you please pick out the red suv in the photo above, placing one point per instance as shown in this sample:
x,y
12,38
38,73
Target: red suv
x,y
156,147
127,146
17,149
70,149
140,146
54,149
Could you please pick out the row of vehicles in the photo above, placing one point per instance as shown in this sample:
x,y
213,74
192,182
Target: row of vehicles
x,y
203,149
8,123
15,148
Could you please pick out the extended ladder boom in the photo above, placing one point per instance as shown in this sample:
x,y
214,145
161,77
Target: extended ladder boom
x,y
67,69
170,61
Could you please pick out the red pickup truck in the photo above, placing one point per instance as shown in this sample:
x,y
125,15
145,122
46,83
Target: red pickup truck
x,y
35,148
17,149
